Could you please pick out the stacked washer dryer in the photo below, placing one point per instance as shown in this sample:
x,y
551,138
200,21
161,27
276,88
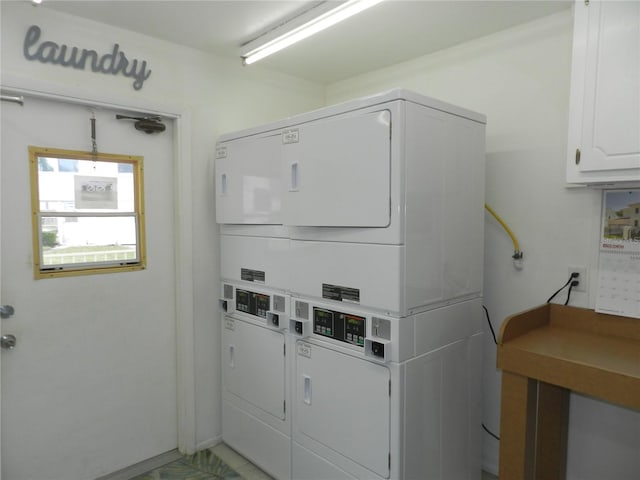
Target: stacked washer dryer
x,y
368,217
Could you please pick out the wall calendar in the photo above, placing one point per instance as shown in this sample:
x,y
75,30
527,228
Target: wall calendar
x,y
618,290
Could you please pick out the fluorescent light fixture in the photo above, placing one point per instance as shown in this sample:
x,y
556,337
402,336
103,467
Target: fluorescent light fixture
x,y
342,12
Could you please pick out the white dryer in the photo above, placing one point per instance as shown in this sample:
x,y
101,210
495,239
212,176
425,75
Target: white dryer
x,y
369,215
255,376
378,397
382,199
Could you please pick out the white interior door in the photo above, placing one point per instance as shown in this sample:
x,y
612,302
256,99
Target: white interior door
x,y
90,387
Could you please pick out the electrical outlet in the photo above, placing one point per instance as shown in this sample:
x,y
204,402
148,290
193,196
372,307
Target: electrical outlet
x,y
583,278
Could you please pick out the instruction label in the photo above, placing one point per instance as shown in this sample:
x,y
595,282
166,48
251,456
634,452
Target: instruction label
x,y
290,136
249,275
304,349
340,294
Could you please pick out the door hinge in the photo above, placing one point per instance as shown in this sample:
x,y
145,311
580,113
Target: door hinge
x,y
284,406
389,387
389,460
284,350
578,156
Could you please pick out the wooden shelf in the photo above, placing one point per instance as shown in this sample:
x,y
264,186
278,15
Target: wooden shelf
x,y
575,348
545,353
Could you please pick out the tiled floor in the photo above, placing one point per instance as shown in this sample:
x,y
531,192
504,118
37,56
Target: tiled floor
x,y
219,463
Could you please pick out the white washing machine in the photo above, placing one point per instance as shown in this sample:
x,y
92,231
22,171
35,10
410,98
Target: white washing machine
x,y
255,376
386,397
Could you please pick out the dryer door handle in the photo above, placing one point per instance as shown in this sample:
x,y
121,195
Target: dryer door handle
x,y
223,184
232,354
307,389
294,178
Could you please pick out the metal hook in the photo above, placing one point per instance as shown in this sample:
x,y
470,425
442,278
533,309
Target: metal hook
x,y
93,134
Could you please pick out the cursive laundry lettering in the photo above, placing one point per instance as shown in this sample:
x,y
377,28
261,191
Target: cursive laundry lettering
x,y
114,63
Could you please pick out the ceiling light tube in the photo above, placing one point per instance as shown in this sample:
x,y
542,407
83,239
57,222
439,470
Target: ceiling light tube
x,y
326,20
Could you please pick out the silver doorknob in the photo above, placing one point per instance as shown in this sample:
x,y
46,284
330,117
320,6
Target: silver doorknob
x,y
6,311
8,341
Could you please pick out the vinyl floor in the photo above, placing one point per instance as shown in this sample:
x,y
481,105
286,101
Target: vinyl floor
x,y
217,463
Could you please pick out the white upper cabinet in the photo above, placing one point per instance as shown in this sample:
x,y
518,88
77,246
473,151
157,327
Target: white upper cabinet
x,y
248,185
337,171
604,117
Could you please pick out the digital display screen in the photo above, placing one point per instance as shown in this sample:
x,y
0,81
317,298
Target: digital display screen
x,y
345,327
323,315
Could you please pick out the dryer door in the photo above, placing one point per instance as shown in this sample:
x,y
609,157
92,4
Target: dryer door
x,y
253,365
338,171
248,186
342,402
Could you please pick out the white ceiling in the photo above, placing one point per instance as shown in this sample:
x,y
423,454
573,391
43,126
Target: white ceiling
x,y
388,33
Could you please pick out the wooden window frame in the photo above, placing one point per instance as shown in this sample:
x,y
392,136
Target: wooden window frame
x,y
96,267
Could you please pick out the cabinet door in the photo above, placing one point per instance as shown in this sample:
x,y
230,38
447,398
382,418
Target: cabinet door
x,y
606,75
253,365
248,185
337,171
343,403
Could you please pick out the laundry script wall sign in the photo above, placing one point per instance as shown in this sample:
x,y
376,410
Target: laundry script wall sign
x,y
114,62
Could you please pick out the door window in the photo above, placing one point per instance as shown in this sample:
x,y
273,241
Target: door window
x,y
88,214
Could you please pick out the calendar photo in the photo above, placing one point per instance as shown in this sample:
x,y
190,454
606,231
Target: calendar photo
x,y
621,220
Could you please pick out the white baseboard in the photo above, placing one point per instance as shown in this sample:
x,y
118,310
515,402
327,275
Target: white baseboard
x,y
212,442
490,468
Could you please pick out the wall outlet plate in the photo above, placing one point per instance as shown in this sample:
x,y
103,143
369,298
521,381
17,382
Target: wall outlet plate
x,y
583,278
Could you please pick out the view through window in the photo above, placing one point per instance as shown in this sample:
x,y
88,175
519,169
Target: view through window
x,y
88,212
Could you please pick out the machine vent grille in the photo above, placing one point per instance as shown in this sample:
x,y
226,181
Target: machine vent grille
x,y
302,310
278,303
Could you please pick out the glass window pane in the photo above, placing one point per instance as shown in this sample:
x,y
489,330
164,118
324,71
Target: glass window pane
x,y
85,186
73,240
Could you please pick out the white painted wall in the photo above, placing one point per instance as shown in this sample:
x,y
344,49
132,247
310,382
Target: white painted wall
x,y
520,79
219,94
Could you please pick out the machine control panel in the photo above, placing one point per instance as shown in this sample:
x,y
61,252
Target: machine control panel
x,y
253,303
344,327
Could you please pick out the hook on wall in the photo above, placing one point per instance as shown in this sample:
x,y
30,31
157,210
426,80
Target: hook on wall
x,y
94,143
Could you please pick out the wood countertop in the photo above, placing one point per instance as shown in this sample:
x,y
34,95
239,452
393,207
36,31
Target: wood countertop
x,y
575,348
